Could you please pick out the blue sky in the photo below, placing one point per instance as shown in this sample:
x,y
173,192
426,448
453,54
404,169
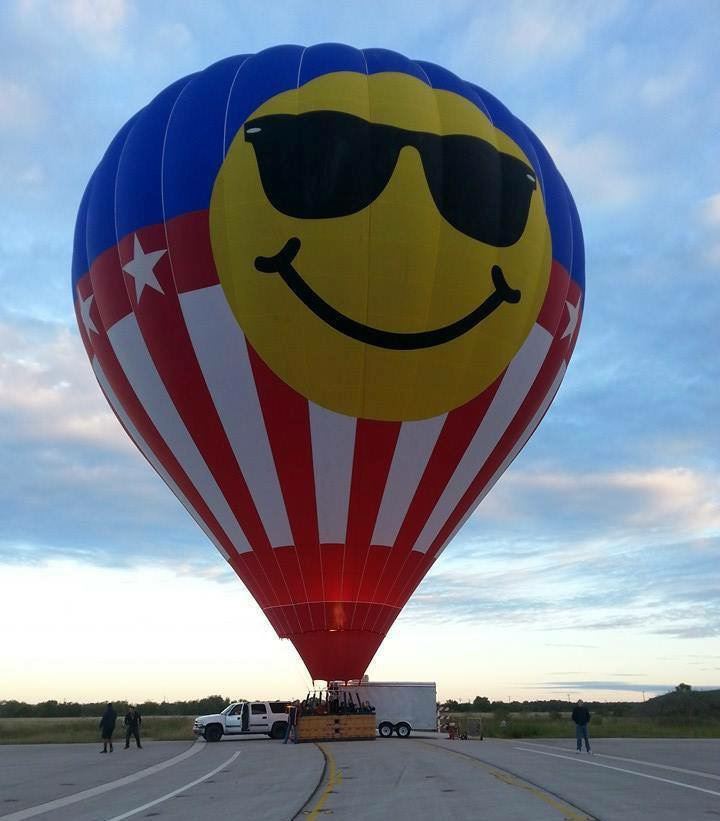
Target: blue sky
x,y
591,568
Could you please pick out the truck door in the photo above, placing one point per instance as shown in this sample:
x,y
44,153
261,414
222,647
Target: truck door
x,y
236,719
259,718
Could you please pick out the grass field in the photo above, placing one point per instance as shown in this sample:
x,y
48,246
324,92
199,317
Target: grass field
x,y
545,726
71,730
179,728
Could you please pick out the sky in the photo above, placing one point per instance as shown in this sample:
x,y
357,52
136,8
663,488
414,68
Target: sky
x,y
590,570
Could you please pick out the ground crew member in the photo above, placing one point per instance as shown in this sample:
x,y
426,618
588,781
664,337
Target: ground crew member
x,y
133,720
581,717
107,727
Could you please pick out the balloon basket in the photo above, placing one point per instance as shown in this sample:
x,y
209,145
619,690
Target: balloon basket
x,y
331,715
335,728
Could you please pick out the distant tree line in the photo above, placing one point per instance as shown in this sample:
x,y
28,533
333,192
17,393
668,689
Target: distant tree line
x,y
73,709
683,702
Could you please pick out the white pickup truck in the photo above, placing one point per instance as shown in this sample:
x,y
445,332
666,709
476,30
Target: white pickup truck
x,y
267,717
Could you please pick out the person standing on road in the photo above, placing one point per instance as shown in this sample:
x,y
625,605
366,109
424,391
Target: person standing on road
x,y
133,720
581,717
107,727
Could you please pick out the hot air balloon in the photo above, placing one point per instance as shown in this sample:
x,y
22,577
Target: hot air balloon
x,y
329,293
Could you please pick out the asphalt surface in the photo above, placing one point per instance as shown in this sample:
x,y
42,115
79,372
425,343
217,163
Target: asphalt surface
x,y
252,778
623,779
424,777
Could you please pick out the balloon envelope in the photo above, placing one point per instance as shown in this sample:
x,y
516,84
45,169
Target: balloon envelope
x,y
329,294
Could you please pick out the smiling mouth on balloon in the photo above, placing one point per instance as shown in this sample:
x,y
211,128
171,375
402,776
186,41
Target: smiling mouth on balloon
x,y
282,263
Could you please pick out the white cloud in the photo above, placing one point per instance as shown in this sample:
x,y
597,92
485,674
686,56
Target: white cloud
x,y
31,176
710,219
165,628
554,29
173,36
20,107
597,167
523,35
675,500
179,621
98,26
711,211
674,495
665,88
26,178
92,18
47,388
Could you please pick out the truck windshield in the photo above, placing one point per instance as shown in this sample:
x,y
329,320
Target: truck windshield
x,y
230,708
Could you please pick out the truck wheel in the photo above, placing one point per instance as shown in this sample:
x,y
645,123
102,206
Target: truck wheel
x,y
385,729
402,729
279,729
213,732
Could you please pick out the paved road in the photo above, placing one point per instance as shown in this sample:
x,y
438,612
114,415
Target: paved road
x,y
421,778
256,779
624,779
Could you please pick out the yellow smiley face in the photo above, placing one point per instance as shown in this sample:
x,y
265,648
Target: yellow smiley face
x,y
383,246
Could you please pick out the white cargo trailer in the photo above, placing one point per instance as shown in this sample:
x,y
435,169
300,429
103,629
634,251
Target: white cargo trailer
x,y
400,706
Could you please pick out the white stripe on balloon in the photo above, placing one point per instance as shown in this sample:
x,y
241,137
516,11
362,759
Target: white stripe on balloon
x,y
333,450
140,370
519,445
144,448
414,447
513,389
221,352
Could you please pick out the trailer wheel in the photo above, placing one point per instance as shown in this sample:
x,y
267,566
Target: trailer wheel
x,y
402,729
213,732
385,729
279,729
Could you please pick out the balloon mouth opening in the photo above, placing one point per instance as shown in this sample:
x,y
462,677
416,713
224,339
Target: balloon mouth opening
x,y
336,654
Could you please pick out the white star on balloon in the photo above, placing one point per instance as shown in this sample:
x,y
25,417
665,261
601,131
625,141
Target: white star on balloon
x,y
85,305
141,267
573,313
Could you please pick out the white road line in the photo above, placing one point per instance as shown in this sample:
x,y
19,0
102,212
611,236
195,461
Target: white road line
x,y
621,770
39,809
699,773
174,792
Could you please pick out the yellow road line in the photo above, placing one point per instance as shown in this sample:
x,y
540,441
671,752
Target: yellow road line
x,y
334,779
569,813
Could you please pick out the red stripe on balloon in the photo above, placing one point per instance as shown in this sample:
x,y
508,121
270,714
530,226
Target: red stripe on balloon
x,y
109,289
455,436
163,329
415,564
554,304
98,345
559,352
287,421
374,448
193,267
83,291
332,571
188,241
370,590
406,569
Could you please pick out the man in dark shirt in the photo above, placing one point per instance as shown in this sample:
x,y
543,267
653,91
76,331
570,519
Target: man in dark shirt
x,y
581,717
132,727
107,727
